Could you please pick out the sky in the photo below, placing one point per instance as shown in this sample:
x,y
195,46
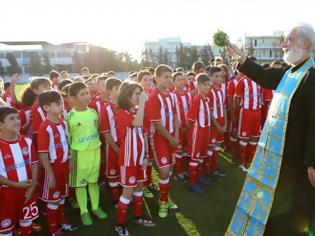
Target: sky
x,y
125,25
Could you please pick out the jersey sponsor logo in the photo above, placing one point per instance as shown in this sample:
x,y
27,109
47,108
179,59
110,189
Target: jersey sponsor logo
x,y
164,160
25,151
244,133
83,181
132,179
6,223
88,138
16,166
56,195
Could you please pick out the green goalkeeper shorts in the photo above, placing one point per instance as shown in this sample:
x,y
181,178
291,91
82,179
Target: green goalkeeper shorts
x,y
85,167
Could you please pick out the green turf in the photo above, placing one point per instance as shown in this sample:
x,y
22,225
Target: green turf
x,y
207,214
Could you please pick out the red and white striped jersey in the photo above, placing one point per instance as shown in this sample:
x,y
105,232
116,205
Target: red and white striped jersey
x,y
161,108
217,102
97,104
38,117
231,87
52,139
7,99
182,102
25,117
192,85
250,92
107,120
16,159
199,112
267,95
223,87
132,149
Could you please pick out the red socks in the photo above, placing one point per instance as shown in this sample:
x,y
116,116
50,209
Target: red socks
x,y
164,189
137,203
243,152
52,212
179,163
193,172
122,210
114,186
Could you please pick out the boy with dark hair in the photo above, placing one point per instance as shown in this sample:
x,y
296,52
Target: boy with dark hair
x,y
102,97
18,176
218,122
53,152
199,122
164,119
85,143
109,130
38,85
182,101
85,71
198,67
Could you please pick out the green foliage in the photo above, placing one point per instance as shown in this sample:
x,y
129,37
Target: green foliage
x,y
221,39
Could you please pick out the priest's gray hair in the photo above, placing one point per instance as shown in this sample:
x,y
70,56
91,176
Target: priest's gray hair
x,y
306,31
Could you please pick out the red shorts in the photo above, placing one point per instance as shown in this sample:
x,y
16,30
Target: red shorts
x,y
13,208
198,142
112,168
61,190
216,137
129,176
163,153
249,123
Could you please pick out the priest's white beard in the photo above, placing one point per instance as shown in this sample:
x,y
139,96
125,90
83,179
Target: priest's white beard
x,y
294,55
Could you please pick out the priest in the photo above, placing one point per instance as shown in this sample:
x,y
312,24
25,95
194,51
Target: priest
x,y
278,196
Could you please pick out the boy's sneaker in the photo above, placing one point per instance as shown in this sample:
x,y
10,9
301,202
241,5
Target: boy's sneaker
x,y
180,177
163,210
86,219
144,222
203,180
196,188
122,230
147,193
172,205
57,233
68,227
99,213
243,168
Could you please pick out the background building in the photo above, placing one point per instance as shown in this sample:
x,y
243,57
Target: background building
x,y
265,48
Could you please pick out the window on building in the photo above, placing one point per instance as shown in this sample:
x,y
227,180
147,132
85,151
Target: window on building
x,y
270,53
255,42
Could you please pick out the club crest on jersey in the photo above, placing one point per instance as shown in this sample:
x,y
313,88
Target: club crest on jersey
x,y
132,179
164,160
112,171
6,223
244,133
25,151
83,181
56,195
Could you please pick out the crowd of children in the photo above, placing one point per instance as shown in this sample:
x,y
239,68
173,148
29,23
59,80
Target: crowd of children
x,y
67,137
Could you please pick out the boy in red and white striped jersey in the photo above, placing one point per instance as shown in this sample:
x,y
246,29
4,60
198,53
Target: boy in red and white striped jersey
x,y
165,125
38,85
218,119
199,122
18,175
248,105
53,152
102,97
108,128
182,101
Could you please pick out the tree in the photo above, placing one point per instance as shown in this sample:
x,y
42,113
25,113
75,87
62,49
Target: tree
x,y
36,66
14,67
47,66
77,63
